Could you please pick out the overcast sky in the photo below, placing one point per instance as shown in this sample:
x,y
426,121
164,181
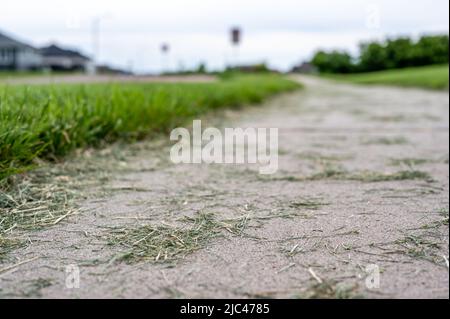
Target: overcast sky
x,y
280,32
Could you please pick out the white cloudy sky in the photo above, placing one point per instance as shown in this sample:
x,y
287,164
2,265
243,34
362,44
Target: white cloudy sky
x,y
280,32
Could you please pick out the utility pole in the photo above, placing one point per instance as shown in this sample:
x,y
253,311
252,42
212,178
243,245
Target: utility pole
x,y
96,25
95,43
165,48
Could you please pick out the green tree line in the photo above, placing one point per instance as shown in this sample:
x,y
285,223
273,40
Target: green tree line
x,y
385,55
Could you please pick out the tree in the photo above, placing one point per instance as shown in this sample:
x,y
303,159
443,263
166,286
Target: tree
x,y
399,53
431,50
390,54
333,62
201,69
373,57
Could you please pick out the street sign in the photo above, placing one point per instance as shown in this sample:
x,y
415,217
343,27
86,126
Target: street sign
x,y
236,35
165,48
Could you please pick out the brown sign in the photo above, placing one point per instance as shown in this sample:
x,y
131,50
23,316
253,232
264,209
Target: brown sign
x,y
165,48
236,35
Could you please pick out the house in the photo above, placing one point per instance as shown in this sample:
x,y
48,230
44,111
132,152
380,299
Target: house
x,y
58,59
108,70
251,68
305,68
17,55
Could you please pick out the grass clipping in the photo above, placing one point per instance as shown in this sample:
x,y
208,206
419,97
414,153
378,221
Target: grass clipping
x,y
46,196
7,245
30,204
165,243
330,172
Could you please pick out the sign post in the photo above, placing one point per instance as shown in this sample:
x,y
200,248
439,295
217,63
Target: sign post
x,y
165,48
236,38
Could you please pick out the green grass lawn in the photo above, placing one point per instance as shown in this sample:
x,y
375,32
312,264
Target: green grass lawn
x,y
429,77
21,74
50,121
13,75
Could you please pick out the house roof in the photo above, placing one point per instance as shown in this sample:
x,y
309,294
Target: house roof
x,y
54,50
7,41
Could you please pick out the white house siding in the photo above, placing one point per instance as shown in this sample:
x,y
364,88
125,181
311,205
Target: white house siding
x,y
28,58
6,57
67,63
63,62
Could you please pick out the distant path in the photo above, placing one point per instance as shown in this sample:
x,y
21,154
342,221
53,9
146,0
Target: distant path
x,y
321,219
80,78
